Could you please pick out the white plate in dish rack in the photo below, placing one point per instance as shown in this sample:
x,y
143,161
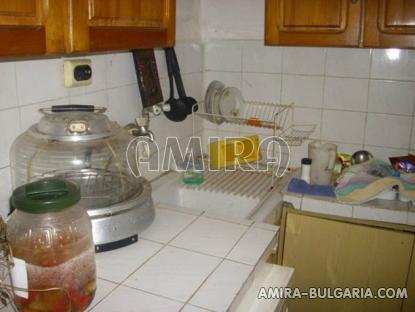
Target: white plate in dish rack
x,y
211,92
230,101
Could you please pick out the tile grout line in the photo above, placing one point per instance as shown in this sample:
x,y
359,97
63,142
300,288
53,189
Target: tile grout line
x,y
16,85
214,270
367,100
306,75
164,245
411,134
153,294
252,267
222,259
323,100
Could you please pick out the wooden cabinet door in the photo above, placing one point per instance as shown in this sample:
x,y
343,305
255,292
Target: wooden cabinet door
x,y
390,23
313,22
31,27
331,253
99,25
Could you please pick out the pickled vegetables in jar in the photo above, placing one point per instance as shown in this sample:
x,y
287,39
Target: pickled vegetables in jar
x,y
53,235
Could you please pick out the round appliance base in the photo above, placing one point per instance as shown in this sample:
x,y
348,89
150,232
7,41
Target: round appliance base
x,y
120,225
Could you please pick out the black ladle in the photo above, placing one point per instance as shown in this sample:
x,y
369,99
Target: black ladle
x,y
189,101
178,109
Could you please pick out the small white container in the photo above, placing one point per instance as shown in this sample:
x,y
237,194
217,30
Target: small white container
x,y
306,169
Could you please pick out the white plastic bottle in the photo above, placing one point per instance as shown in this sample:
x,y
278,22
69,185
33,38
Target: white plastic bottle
x,y
306,169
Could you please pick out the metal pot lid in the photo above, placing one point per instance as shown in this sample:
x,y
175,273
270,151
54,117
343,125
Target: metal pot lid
x,y
74,123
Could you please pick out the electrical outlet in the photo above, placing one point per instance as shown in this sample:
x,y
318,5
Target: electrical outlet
x,y
77,73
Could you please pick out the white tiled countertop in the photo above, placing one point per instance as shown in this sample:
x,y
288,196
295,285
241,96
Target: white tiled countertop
x,y
185,261
392,211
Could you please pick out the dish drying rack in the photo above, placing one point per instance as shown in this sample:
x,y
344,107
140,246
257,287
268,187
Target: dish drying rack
x,y
277,117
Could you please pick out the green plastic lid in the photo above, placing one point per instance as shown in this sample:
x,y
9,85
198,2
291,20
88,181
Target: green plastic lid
x,y
45,196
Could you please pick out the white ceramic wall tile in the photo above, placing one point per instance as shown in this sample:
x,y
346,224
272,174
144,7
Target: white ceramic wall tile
x,y
203,236
251,246
326,207
30,114
388,130
173,273
258,58
124,104
190,57
228,78
297,153
164,128
385,215
100,66
223,56
8,87
40,80
193,84
221,288
121,70
309,116
232,19
343,126
165,88
347,148
5,191
161,63
309,61
126,299
188,20
346,94
118,264
166,225
178,130
384,153
303,90
393,64
348,62
103,289
261,87
99,98
9,129
391,97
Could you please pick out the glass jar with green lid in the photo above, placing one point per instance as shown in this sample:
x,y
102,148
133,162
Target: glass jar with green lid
x,y
52,233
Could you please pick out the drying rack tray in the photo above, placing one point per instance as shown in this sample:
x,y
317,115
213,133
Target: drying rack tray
x,y
276,117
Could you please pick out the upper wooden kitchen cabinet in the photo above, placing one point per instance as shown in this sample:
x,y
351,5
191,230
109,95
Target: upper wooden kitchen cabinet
x,y
39,27
364,23
389,23
31,27
313,22
105,25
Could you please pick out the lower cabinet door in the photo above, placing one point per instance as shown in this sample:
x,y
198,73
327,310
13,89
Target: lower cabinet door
x,y
339,254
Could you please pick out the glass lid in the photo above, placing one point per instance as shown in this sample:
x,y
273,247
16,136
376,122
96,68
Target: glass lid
x,y
74,123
